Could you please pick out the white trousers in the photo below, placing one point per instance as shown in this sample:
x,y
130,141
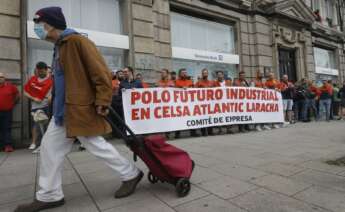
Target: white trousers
x,y
55,146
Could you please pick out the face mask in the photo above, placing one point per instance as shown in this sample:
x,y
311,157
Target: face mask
x,y
40,31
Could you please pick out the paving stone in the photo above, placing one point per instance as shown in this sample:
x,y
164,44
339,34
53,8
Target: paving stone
x,y
321,179
281,184
103,189
207,204
73,191
150,204
281,169
226,187
69,177
323,166
323,197
17,169
12,181
205,161
16,194
79,204
262,200
238,172
10,207
167,193
90,167
201,174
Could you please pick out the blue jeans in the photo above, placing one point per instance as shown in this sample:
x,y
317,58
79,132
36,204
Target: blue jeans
x,y
309,103
5,127
325,106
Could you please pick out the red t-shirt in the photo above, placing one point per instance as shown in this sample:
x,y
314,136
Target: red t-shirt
x,y
8,94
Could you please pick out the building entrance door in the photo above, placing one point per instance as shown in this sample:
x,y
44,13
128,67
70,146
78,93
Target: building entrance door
x,y
287,64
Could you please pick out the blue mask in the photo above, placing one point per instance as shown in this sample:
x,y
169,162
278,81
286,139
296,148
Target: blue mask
x,y
40,31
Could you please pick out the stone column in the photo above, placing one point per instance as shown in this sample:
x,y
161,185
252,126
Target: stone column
x,y
151,37
11,35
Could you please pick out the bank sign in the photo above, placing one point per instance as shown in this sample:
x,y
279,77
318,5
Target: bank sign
x,y
201,55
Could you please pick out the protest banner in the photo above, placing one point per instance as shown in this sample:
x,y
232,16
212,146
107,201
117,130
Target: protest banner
x,y
156,110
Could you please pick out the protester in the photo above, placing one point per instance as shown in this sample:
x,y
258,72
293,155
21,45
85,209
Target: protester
x,y
173,76
300,99
128,81
259,83
242,82
204,82
116,102
336,102
311,94
330,83
139,78
287,90
82,93
272,83
325,93
165,82
9,96
221,81
184,82
342,97
38,90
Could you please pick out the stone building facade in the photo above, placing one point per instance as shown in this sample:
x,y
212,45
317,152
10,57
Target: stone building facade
x,y
301,38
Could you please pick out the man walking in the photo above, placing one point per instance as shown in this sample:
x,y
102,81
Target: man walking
x,y
8,97
82,92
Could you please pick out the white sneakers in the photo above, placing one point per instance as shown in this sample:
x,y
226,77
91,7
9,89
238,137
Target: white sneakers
x,y
36,151
32,147
258,128
266,127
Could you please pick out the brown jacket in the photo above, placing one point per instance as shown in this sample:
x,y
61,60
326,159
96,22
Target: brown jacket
x,y
87,84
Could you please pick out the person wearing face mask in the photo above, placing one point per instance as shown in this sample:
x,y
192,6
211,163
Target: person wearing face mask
x,y
9,96
82,94
37,89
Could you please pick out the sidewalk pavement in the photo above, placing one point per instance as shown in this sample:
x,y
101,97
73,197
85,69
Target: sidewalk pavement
x,y
281,170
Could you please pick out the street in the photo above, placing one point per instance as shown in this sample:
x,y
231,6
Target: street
x,y
282,170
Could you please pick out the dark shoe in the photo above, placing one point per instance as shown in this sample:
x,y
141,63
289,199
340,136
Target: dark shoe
x,y
37,205
128,187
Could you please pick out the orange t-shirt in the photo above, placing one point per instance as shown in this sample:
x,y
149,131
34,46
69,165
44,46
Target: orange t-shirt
x,y
259,84
183,83
145,85
165,83
271,84
228,83
241,83
205,84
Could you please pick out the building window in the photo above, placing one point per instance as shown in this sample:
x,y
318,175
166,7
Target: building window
x,y
199,43
100,20
327,11
325,62
98,15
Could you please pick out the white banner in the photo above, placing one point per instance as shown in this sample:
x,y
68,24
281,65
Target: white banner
x,y
155,110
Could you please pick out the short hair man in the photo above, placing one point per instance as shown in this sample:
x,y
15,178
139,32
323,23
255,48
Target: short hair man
x,y
82,92
38,90
9,96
